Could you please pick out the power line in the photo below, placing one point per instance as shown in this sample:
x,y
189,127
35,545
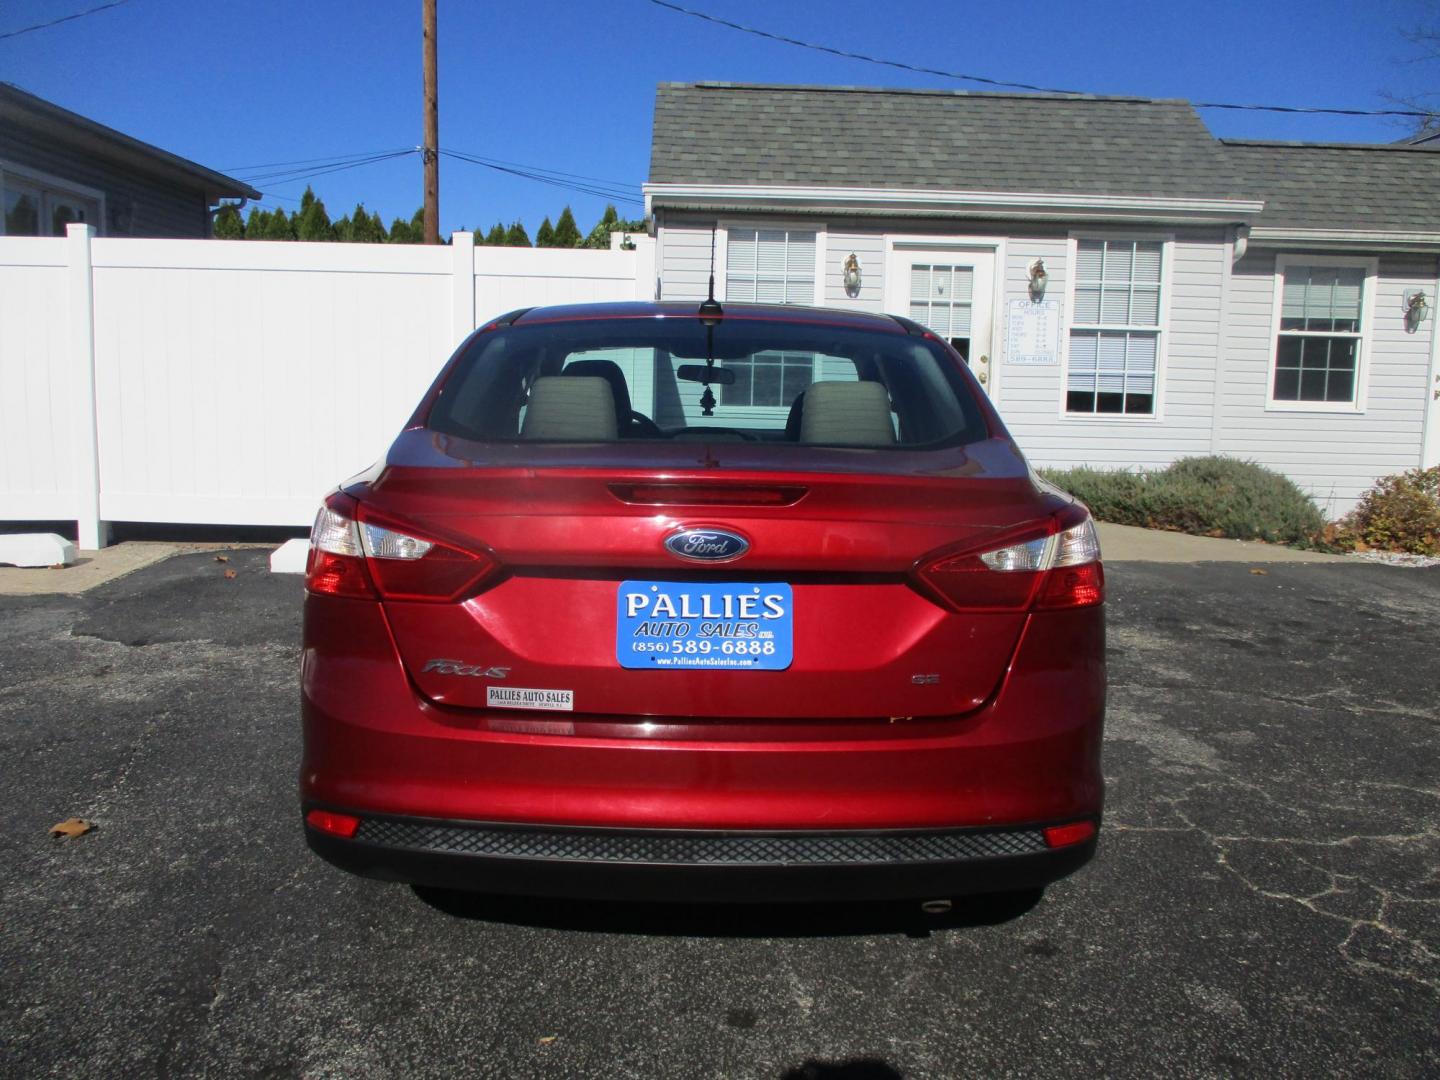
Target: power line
x,y
962,77
626,195
63,19
312,161
284,176
623,184
293,178
599,193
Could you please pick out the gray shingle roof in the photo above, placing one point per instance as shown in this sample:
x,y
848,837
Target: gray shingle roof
x,y
1391,187
849,137
723,133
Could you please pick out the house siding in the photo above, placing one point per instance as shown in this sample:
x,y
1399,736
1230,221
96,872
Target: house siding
x,y
135,204
1333,456
684,258
1216,347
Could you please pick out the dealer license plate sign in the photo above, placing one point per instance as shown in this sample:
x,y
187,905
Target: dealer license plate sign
x,y
741,626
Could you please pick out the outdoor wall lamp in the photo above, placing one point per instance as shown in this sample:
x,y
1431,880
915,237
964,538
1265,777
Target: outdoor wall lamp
x,y
1417,309
1038,278
851,275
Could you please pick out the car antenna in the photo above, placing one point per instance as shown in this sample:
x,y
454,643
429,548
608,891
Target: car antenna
x,y
710,314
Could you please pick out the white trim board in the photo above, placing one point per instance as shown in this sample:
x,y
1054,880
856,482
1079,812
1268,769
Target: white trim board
x,y
1274,236
981,204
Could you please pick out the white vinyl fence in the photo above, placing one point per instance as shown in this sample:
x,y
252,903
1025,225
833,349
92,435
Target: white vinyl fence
x,y
234,382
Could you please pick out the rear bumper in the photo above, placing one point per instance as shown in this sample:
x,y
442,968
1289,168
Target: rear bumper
x,y
699,866
374,747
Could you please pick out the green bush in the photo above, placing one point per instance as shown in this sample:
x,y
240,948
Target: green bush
x,y
1400,513
1206,496
1114,495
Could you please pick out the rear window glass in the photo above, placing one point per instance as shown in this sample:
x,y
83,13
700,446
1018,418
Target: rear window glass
x,y
671,378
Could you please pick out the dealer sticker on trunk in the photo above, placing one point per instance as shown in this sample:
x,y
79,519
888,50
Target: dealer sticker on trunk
x,y
517,697
743,626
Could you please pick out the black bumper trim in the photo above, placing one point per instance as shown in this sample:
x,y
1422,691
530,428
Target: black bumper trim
x,y
699,866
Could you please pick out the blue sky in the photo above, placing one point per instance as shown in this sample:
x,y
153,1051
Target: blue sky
x,y
570,86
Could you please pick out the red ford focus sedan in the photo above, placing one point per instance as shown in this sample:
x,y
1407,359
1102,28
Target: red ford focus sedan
x,y
658,601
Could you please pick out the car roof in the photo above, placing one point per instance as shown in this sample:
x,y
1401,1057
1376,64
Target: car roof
x,y
689,309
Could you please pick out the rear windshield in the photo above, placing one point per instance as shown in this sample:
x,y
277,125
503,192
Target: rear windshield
x,y
674,378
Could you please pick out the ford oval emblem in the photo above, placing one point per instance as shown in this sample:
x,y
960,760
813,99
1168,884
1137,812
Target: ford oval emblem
x,y
706,545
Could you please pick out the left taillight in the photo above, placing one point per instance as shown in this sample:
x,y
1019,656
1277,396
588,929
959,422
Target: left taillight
x,y
1056,567
354,555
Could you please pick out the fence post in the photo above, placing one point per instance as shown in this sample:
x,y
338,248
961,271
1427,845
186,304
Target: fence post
x,y
92,533
462,269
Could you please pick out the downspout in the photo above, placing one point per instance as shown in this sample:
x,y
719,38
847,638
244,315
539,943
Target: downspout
x,y
212,211
1232,252
1430,437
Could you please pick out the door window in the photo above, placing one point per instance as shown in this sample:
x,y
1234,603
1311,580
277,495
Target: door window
x,y
942,299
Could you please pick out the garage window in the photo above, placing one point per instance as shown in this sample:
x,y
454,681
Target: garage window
x,y
1114,356
1320,334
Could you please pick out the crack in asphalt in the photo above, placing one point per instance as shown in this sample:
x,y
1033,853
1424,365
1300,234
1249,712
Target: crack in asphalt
x,y
1413,958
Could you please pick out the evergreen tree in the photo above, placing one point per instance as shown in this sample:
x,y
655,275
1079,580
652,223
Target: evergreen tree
x,y
516,236
312,222
228,223
611,222
257,223
279,226
360,227
400,233
567,233
496,237
599,236
409,232
545,235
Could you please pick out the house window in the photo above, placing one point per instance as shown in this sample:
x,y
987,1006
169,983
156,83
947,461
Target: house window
x,y
1115,328
768,378
1317,352
33,208
770,266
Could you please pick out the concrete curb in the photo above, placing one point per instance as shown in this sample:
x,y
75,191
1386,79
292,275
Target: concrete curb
x,y
1125,543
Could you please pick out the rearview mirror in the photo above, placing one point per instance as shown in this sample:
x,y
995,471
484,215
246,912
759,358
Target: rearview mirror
x,y
703,373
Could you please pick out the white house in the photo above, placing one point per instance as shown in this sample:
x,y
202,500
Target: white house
x,y
1130,289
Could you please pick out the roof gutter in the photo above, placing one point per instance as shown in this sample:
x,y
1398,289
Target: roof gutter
x,y
95,139
913,202
1362,240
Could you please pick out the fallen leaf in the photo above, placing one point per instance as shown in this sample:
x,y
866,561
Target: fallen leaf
x,y
546,1040
229,574
1257,570
71,827
222,558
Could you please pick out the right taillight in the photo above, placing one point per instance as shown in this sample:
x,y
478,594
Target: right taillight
x,y
353,554
1057,566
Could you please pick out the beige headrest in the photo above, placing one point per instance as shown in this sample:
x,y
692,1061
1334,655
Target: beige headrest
x,y
847,414
573,408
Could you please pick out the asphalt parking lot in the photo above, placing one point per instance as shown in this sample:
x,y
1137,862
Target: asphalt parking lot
x,y
1266,901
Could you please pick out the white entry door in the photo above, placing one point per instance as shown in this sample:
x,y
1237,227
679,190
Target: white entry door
x,y
949,291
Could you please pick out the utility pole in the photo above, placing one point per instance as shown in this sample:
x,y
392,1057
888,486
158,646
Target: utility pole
x,y
432,129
